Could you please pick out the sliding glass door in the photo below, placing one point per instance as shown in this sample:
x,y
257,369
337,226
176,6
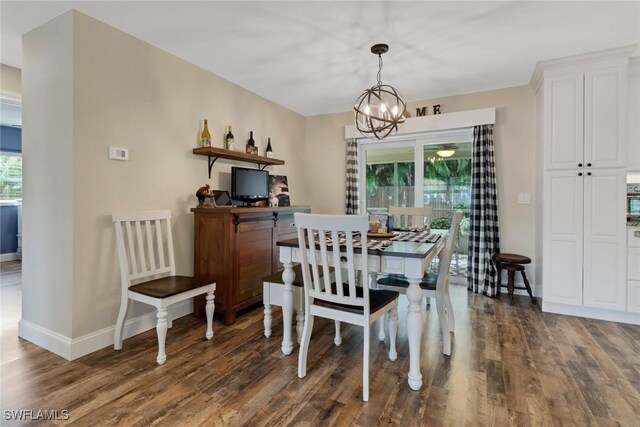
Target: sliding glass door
x,y
432,170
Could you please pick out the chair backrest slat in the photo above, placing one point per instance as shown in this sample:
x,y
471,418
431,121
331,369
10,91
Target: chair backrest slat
x,y
138,247
140,244
150,250
132,249
332,227
447,251
159,244
412,217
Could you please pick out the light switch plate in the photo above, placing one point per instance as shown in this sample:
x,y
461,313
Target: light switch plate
x,y
117,153
524,198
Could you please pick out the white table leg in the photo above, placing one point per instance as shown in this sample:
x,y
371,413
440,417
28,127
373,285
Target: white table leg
x,y
288,276
414,332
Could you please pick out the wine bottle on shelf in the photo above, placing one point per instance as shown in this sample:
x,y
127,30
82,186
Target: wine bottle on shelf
x,y
205,137
269,150
229,139
251,144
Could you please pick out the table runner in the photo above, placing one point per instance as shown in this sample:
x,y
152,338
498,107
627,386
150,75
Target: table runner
x,y
404,236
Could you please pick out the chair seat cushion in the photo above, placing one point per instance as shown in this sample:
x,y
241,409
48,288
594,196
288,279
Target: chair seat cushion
x,y
429,281
512,258
166,286
277,276
377,299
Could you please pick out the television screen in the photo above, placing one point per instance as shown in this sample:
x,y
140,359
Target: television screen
x,y
249,185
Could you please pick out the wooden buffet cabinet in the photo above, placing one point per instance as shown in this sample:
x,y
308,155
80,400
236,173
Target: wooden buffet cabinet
x,y
236,248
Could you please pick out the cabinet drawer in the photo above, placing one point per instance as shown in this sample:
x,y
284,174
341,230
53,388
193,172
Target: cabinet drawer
x,y
633,237
634,263
633,300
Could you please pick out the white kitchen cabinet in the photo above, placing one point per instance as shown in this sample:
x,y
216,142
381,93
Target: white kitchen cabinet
x,y
605,239
585,119
581,125
563,231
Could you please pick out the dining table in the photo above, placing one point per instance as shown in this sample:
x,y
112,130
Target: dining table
x,y
408,253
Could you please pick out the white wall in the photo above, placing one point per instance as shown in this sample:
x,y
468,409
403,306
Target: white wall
x,y
125,93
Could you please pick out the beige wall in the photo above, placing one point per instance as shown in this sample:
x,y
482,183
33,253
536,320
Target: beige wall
x,y
127,93
515,159
10,79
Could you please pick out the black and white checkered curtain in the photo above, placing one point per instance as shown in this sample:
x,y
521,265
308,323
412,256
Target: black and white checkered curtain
x,y
352,204
484,241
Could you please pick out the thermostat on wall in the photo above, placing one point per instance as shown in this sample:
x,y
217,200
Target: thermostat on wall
x,y
116,153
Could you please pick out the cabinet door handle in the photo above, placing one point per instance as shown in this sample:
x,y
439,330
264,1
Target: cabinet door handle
x,y
588,173
579,165
588,165
579,173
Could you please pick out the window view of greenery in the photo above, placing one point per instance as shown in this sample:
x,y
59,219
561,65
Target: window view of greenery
x,y
10,177
390,184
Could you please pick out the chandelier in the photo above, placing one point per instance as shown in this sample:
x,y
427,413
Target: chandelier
x,y
380,109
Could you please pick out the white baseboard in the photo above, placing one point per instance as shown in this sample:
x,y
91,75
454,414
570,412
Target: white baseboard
x,y
591,313
74,348
9,257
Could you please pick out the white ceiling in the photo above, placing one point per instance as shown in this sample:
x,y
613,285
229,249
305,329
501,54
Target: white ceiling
x,y
313,57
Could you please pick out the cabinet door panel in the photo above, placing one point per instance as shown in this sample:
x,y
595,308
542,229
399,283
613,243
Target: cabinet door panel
x,y
604,118
562,248
605,239
563,121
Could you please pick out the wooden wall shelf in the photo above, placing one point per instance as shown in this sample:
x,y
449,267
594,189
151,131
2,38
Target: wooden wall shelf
x,y
214,154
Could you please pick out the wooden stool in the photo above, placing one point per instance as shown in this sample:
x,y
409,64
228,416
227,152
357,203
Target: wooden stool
x,y
512,263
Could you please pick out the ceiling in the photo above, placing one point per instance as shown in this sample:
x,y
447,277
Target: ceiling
x,y
314,58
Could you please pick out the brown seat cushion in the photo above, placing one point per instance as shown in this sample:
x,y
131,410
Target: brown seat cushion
x,y
512,258
429,281
167,286
277,276
377,299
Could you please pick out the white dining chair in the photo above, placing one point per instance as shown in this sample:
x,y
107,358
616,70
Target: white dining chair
x,y
148,274
342,300
411,217
272,292
434,285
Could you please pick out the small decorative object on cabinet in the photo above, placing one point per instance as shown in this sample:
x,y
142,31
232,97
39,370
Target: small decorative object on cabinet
x,y
237,248
205,137
279,187
269,150
202,193
229,139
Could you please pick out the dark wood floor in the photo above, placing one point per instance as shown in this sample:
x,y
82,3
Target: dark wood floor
x,y
511,365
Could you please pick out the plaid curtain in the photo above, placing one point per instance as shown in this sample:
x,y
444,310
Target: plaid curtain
x,y
484,241
352,204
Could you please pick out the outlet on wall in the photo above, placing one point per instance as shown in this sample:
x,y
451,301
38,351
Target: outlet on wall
x,y
524,198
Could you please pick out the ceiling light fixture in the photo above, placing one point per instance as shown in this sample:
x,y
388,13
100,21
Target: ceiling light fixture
x,y
446,151
380,109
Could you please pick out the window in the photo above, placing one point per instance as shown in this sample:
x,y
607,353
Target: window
x,y
10,176
412,173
